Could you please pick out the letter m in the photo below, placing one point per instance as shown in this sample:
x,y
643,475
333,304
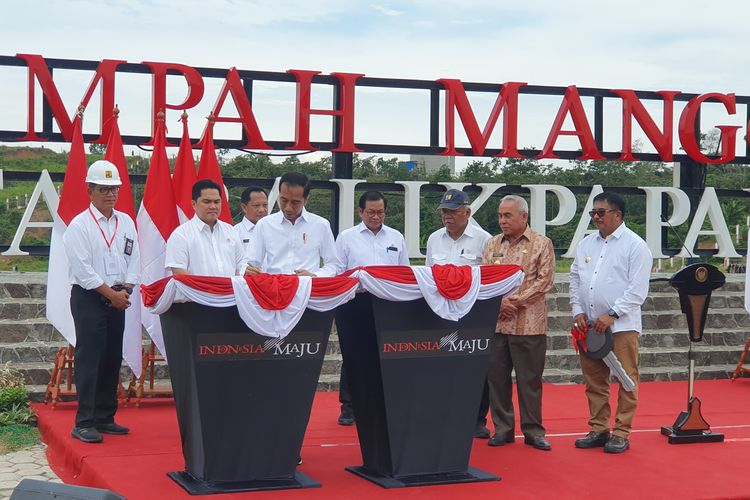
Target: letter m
x,y
39,71
456,100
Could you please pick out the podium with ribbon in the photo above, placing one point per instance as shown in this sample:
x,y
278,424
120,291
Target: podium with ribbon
x,y
416,344
245,354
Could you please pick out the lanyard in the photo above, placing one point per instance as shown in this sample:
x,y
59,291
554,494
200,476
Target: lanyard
x,y
108,242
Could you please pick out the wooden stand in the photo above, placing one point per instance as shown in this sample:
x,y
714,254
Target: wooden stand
x,y
741,365
64,366
138,386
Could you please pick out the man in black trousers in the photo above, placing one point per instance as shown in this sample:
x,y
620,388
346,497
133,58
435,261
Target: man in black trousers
x,y
104,260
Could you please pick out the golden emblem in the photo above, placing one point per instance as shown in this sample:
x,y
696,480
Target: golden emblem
x,y
587,259
108,174
701,274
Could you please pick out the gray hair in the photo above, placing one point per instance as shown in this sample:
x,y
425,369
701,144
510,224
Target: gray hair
x,y
523,207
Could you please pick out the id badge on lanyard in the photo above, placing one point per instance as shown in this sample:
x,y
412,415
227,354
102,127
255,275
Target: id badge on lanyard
x,y
111,266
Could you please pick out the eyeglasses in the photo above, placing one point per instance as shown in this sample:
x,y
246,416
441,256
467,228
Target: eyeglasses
x,y
107,189
601,211
375,213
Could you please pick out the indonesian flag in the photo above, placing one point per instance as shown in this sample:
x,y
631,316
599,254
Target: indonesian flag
x,y
208,168
747,278
269,304
184,175
131,342
157,218
73,200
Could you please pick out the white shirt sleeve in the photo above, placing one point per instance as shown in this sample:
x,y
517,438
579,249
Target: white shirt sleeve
x,y
240,259
177,251
332,265
342,250
403,259
80,257
256,247
639,273
428,258
575,284
134,265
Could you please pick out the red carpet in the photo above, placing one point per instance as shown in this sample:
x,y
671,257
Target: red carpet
x,y
136,465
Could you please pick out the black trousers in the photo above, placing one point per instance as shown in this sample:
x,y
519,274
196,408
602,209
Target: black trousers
x,y
98,356
344,396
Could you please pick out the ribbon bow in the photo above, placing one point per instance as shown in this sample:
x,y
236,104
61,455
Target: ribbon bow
x,y
579,336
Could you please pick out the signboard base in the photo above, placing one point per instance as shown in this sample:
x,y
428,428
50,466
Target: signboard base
x,y
472,475
196,486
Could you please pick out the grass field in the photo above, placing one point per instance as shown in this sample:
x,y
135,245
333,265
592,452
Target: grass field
x,y
17,437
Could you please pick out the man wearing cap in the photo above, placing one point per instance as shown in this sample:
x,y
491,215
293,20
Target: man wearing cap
x,y
461,243
369,243
102,250
521,332
254,205
205,245
608,284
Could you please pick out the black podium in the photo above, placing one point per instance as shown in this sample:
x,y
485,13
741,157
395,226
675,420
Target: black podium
x,y
243,400
416,384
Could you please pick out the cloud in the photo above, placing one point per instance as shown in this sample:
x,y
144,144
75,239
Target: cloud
x,y
386,11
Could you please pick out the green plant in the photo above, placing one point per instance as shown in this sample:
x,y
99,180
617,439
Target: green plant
x,y
19,413
12,396
10,377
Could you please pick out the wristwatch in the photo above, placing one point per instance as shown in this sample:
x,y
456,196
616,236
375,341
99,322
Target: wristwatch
x,y
612,313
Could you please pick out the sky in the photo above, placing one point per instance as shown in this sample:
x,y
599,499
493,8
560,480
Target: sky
x,y
683,45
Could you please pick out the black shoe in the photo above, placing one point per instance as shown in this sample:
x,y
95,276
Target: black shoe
x,y
616,444
86,434
538,442
593,440
501,439
346,419
112,428
299,460
481,431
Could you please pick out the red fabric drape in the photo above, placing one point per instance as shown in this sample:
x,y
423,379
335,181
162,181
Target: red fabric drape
x,y
452,281
336,285
273,292
495,273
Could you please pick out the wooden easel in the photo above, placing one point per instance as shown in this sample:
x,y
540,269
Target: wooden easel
x,y
63,367
740,366
138,386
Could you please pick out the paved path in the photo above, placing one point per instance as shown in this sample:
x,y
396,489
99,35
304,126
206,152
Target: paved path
x,y
29,463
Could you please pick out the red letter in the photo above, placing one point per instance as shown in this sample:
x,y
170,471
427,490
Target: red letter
x,y
159,92
572,103
456,100
728,132
345,113
632,106
233,84
38,69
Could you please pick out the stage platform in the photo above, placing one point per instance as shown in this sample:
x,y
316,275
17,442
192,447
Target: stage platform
x,y
136,465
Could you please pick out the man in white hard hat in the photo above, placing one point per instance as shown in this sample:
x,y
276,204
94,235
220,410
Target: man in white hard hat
x,y
102,249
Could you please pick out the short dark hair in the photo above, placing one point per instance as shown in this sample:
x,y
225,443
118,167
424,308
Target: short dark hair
x,y
245,196
296,179
372,196
202,184
613,199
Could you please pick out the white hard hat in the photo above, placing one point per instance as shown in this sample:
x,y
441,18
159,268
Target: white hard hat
x,y
104,173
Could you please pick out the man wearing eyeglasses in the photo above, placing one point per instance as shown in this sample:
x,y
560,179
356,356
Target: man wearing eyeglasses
x,y
104,259
369,243
608,284
254,205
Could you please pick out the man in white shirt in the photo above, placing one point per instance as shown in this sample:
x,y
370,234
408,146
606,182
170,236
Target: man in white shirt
x,y
204,245
461,243
609,281
293,240
254,205
102,250
369,243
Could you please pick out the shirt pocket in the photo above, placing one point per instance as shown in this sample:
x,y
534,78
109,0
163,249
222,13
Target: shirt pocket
x,y
439,258
469,259
392,257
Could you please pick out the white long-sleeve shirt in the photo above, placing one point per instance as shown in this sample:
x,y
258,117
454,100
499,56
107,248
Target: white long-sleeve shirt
x,y
280,247
87,251
195,247
611,273
465,251
358,246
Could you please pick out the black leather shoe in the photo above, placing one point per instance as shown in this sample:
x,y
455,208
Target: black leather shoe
x,y
616,444
501,439
346,419
538,442
481,431
86,434
112,428
593,440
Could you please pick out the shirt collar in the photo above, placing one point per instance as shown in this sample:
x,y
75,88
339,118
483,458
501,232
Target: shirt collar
x,y
469,232
98,215
199,224
303,216
362,228
616,233
526,234
249,225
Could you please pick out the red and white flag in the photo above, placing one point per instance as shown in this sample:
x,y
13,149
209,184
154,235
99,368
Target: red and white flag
x,y
73,201
184,175
132,339
208,168
157,218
